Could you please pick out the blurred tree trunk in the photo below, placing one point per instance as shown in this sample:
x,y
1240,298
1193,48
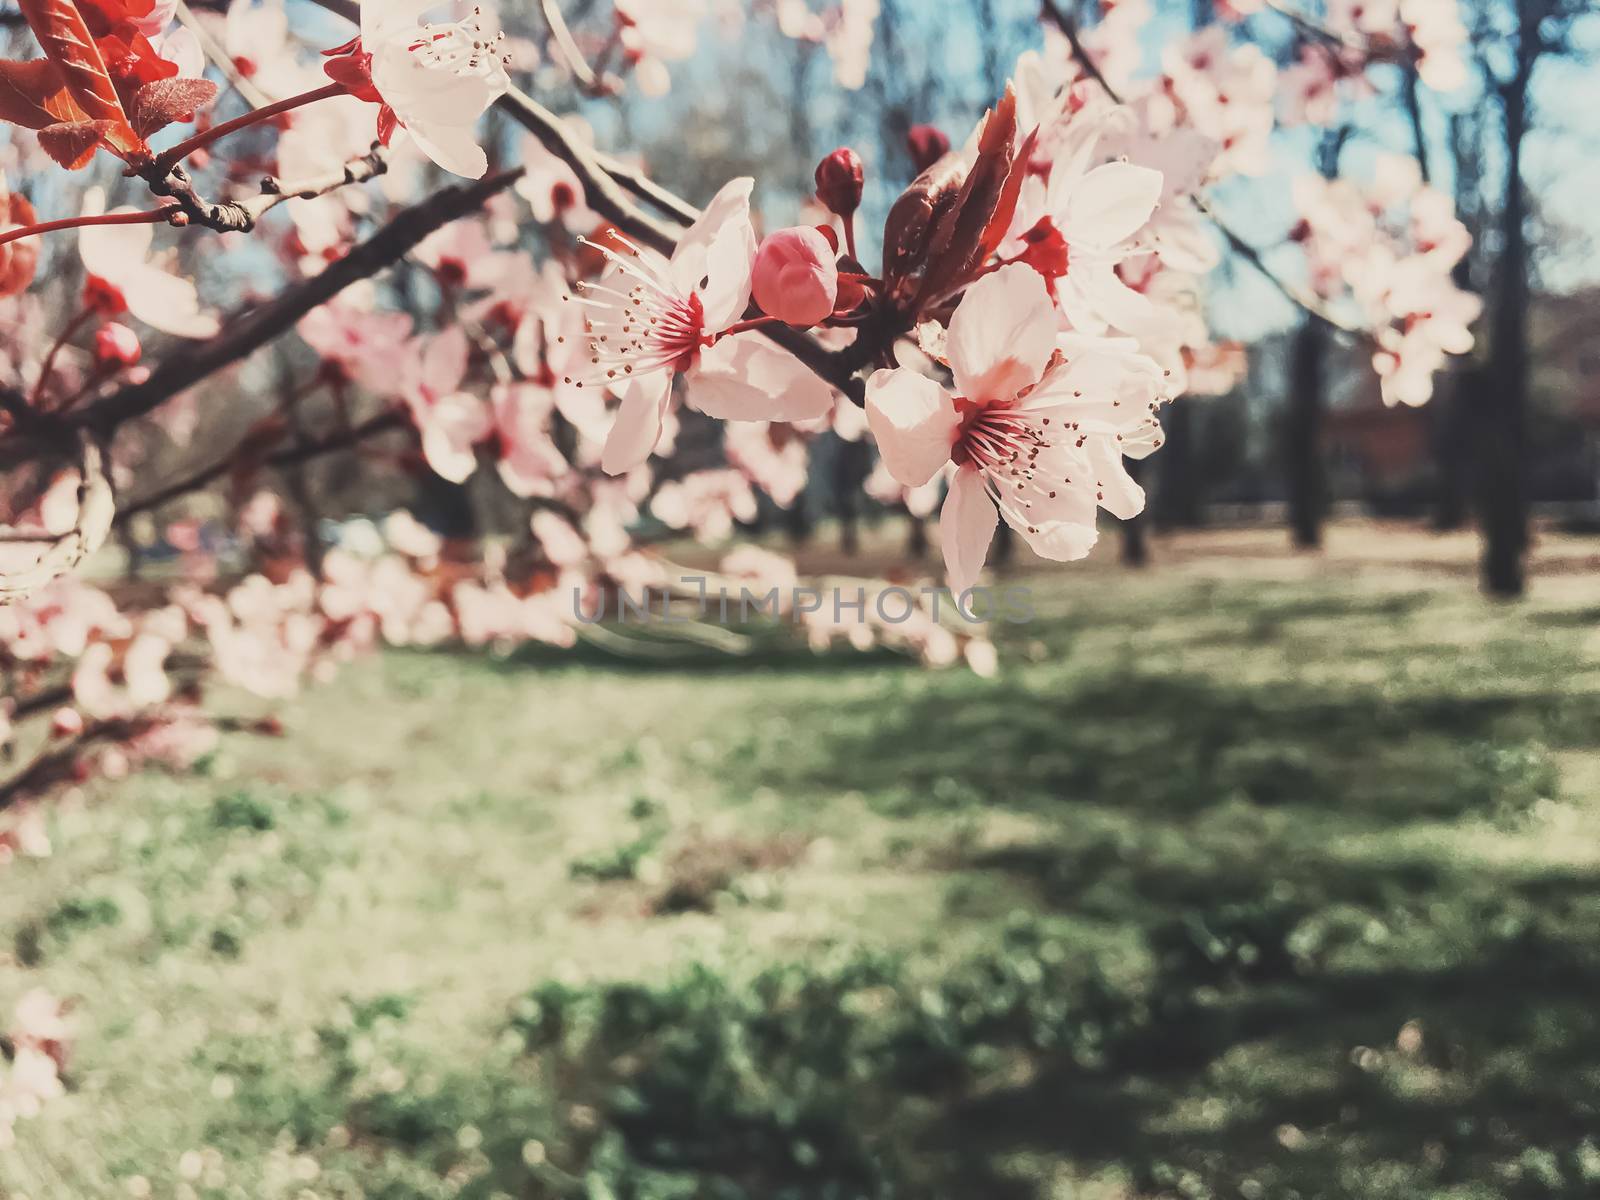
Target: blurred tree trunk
x,y
1452,447
1454,404
1176,500
1308,398
916,538
797,521
850,469
1135,539
1502,409
1302,432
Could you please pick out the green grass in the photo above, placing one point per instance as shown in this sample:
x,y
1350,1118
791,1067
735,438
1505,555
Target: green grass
x,y
1246,878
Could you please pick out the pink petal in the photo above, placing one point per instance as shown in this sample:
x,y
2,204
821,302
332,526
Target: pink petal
x,y
637,426
1002,335
749,378
1111,203
966,527
914,423
720,248
444,362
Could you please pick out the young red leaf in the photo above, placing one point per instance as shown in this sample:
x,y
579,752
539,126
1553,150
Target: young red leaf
x,y
67,43
33,94
73,143
159,104
20,259
956,247
919,207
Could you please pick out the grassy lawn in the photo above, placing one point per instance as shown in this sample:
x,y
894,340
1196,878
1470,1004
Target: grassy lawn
x,y
1248,877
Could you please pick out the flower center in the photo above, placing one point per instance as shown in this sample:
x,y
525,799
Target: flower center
x,y
1002,442
1047,251
1006,445
461,47
652,326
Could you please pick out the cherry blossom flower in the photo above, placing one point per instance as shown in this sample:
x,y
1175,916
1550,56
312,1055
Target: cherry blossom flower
x,y
1076,230
450,420
708,503
552,189
115,345
1225,92
656,32
120,256
529,463
357,344
651,319
462,257
849,40
434,81
1036,435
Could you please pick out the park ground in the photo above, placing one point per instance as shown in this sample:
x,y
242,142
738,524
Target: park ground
x,y
1249,876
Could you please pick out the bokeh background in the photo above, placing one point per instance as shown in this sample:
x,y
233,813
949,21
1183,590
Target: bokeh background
x,y
1266,866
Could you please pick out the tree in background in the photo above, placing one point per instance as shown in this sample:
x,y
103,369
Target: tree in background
x,y
510,374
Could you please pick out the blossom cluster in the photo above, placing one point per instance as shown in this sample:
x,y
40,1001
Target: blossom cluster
x,y
1389,248
33,1054
1039,300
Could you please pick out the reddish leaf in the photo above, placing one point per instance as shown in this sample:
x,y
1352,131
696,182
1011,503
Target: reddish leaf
x,y
33,95
73,143
1000,221
157,105
67,43
956,248
20,259
905,233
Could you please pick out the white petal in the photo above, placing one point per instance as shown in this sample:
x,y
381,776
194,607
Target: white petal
x,y
723,225
1060,541
1119,494
1111,203
453,147
966,527
749,378
637,426
1002,335
914,423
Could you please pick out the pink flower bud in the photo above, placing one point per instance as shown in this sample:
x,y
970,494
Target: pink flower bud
x,y
927,146
796,277
66,722
840,178
115,345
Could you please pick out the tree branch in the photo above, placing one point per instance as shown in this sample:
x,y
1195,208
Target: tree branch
x,y
302,452
1251,254
386,247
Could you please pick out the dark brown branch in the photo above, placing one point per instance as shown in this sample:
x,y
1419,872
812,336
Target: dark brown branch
x,y
1069,29
254,330
301,452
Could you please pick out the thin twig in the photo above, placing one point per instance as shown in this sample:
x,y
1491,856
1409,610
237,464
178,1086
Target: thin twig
x,y
588,81
1236,242
302,452
242,337
221,59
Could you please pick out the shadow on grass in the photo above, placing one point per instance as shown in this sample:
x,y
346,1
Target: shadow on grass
x,y
1173,745
1334,1012
1320,1081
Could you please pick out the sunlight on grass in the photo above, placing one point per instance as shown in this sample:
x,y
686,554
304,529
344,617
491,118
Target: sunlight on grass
x,y
1269,888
